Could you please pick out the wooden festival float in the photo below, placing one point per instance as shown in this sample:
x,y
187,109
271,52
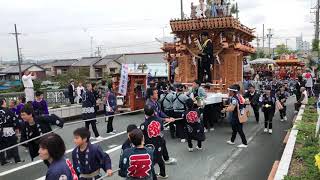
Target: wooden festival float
x,y
231,41
289,66
136,89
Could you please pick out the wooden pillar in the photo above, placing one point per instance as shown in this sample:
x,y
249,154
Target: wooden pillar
x,y
231,68
187,71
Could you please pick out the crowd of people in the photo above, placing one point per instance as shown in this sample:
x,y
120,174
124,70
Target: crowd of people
x,y
20,121
175,106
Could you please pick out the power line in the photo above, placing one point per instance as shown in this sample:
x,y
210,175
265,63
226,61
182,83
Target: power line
x,y
84,51
124,27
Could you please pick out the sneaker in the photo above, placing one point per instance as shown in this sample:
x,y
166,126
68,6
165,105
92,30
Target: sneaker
x,y
111,133
285,118
99,138
162,177
199,148
230,142
205,130
270,131
183,140
170,161
190,149
4,163
281,120
211,129
242,146
265,130
20,161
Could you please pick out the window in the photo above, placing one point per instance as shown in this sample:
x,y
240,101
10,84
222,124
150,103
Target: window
x,y
113,70
64,70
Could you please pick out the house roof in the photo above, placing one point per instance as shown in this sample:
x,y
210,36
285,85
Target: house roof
x,y
64,62
86,61
14,69
143,58
109,58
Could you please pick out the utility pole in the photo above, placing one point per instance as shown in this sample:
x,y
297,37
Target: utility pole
x,y
98,52
263,37
316,34
18,51
269,36
21,55
181,6
317,27
91,50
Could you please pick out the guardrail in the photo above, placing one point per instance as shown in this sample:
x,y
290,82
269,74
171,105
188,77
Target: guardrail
x,y
76,122
53,97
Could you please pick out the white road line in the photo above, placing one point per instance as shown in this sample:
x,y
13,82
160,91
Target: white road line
x,y
227,163
108,151
68,151
112,146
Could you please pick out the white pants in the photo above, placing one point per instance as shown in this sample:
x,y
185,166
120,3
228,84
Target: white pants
x,y
29,94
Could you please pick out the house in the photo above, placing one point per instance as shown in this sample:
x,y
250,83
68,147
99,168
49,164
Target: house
x,y
47,65
153,63
85,66
108,65
12,72
62,66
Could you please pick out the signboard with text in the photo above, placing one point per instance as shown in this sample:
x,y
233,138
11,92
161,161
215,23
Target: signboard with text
x,y
124,79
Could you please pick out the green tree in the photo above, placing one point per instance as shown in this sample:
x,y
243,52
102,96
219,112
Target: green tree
x,y
258,54
76,75
315,45
282,49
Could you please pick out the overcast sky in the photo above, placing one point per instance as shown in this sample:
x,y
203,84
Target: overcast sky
x,y
62,28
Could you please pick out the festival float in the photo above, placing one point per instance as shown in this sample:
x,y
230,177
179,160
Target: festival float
x,y
230,39
132,88
289,66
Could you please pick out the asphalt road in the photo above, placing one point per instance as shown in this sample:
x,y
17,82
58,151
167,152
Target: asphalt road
x,y
217,160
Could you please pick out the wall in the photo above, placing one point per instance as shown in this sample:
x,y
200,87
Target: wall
x,y
60,70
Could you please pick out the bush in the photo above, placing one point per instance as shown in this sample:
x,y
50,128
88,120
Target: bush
x,y
307,146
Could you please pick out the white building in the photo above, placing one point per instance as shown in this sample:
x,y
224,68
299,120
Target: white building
x,y
302,45
153,63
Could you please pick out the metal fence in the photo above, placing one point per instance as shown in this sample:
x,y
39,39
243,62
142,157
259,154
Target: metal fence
x,y
53,97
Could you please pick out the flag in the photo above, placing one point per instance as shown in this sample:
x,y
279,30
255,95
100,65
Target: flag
x,y
124,79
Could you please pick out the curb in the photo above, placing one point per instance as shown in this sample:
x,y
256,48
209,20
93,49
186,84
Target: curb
x,y
284,164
